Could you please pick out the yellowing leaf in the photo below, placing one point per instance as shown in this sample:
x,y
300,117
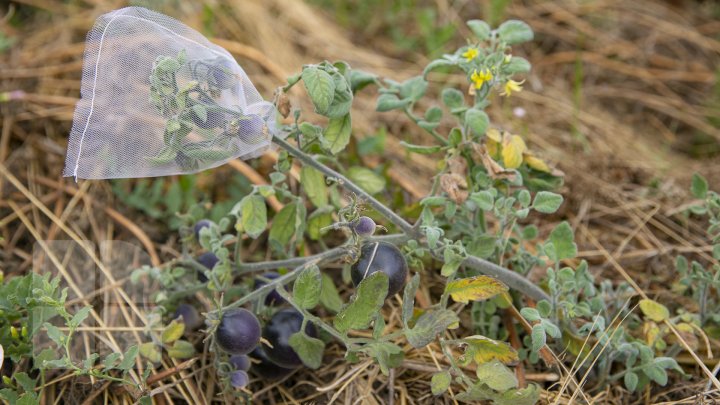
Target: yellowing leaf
x,y
654,310
512,153
536,163
173,332
482,350
474,288
494,134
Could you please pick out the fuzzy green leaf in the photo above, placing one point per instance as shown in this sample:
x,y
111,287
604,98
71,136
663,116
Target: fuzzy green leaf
x,y
386,354
408,304
253,215
337,134
699,187
307,288
283,225
320,87
364,304
515,32
497,376
313,182
367,179
562,239
309,349
329,296
477,120
440,382
547,202
429,325
480,29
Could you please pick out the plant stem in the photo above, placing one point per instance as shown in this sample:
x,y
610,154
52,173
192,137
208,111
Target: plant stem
x,y
345,182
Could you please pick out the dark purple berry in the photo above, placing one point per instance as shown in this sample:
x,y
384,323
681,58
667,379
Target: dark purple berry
x,y
240,362
273,297
222,75
239,379
364,226
381,256
277,332
238,332
251,129
208,260
200,225
265,368
189,316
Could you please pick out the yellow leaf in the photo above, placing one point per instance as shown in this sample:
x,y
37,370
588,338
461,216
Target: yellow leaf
x,y
474,289
151,352
512,153
494,134
483,350
536,163
173,332
654,310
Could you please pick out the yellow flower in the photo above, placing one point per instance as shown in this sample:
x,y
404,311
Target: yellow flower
x,y
510,86
479,78
470,54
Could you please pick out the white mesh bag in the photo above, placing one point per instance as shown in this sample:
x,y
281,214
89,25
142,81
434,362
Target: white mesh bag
x,y
158,99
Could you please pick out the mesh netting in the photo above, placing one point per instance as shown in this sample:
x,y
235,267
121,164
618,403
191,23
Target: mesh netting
x,y
158,99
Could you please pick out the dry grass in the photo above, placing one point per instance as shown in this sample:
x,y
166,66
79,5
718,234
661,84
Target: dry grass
x,y
645,69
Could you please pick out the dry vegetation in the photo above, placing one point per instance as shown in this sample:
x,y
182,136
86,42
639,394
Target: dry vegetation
x,y
619,98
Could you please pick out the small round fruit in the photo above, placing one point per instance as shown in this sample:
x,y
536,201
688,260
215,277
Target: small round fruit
x,y
238,332
364,226
381,256
265,368
239,379
189,316
240,362
252,129
200,225
277,332
222,74
209,260
273,298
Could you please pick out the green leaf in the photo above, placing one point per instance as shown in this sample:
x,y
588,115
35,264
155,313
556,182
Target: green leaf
x,y
699,187
440,382
654,310
172,125
342,100
656,373
317,221
329,296
429,325
181,350
433,114
482,246
360,79
453,98
529,395
110,360
200,111
253,215
28,398
562,239
307,288
531,314
517,65
367,179
283,225
476,288
337,134
55,334
364,304
480,29
437,64
129,356
309,349
389,102
413,88
538,337
386,354
313,181
483,199
27,383
547,202
408,304
477,121
320,87
496,376
515,32
173,332
150,351
631,380
79,317
419,149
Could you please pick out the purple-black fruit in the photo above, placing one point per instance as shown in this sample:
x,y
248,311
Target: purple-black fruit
x,y
273,297
363,226
238,332
189,316
265,368
209,260
222,75
200,225
240,362
251,129
277,332
239,379
381,256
